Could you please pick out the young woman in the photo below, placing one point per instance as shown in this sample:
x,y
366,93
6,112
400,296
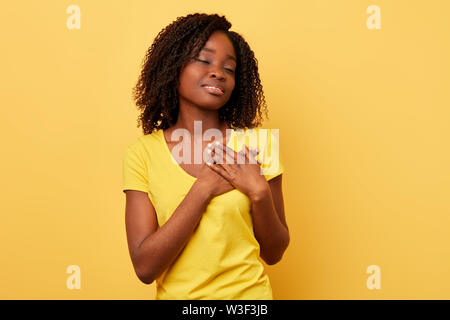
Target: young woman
x,y
200,228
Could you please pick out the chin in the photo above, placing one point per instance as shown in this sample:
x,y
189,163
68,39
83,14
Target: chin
x,y
211,106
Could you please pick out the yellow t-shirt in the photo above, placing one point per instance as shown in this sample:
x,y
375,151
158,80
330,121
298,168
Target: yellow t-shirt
x,y
222,258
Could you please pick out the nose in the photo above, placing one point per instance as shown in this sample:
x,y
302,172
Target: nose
x,y
216,73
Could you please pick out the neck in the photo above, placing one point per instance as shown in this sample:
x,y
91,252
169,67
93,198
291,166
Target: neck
x,y
201,120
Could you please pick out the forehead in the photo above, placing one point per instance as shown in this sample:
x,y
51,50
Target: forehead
x,y
219,42
229,56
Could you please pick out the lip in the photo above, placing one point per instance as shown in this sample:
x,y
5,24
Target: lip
x,y
213,91
216,86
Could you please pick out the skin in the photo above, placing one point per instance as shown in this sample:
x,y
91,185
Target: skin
x,y
152,248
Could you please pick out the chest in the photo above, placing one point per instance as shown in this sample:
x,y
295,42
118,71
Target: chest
x,y
191,168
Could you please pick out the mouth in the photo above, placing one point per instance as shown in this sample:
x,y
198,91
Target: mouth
x,y
214,90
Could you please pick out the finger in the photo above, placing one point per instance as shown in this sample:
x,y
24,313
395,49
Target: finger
x,y
209,155
211,152
251,155
254,153
240,156
221,170
213,166
221,155
246,151
227,154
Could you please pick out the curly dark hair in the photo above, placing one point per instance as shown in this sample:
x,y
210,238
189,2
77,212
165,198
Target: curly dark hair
x,y
156,94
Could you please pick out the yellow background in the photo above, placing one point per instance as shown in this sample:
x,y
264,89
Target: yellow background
x,y
364,134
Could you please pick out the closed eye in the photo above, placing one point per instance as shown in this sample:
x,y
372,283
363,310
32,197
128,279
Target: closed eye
x,y
207,62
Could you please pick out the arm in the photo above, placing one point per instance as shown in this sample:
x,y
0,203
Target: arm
x,y
152,250
269,222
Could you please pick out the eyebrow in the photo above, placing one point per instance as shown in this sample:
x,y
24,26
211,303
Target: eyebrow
x,y
212,50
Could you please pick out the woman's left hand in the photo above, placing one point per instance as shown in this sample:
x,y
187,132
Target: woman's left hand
x,y
241,169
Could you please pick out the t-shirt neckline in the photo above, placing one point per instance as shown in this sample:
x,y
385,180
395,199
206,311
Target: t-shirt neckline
x,y
184,172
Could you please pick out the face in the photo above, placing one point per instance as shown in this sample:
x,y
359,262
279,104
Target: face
x,y
215,66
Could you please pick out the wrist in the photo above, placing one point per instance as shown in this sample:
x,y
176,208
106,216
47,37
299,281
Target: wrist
x,y
260,193
204,189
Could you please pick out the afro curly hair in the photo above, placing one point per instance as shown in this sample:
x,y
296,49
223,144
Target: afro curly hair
x,y
156,94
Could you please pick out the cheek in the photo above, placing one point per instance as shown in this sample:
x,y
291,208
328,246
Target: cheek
x,y
188,80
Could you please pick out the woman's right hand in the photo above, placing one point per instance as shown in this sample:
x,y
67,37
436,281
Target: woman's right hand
x,y
213,183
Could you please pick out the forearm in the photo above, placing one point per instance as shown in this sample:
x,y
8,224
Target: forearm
x,y
160,249
272,235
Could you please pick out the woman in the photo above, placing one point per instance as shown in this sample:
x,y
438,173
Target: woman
x,y
199,228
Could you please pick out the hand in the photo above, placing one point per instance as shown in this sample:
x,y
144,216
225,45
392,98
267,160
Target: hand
x,y
214,184
241,169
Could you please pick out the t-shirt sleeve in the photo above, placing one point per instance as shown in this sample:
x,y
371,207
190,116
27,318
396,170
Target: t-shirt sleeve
x,y
272,165
135,175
